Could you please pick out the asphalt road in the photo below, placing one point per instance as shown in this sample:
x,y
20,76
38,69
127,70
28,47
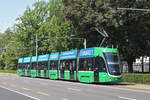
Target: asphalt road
x,y
6,94
27,88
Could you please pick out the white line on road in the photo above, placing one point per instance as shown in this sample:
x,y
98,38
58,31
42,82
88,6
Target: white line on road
x,y
19,93
125,98
74,89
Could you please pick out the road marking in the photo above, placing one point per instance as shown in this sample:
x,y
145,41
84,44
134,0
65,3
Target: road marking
x,y
64,99
12,85
43,93
26,89
126,98
99,86
19,93
74,89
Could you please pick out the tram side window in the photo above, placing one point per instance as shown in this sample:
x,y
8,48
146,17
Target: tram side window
x,y
53,65
27,66
20,66
44,65
100,64
33,66
73,65
86,64
65,65
39,66
23,66
68,64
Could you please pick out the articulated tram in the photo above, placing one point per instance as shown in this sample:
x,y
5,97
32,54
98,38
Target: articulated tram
x,y
86,65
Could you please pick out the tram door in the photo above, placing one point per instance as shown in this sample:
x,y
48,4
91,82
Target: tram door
x,y
72,69
62,69
45,67
96,75
28,69
39,69
99,67
23,68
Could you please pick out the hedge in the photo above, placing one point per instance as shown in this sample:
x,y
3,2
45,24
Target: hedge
x,y
136,78
8,71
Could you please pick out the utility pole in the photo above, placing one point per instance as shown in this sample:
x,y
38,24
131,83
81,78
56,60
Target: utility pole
x,y
36,44
84,43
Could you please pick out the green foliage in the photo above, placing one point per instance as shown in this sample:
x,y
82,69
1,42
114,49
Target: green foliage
x,y
44,19
136,78
127,29
55,21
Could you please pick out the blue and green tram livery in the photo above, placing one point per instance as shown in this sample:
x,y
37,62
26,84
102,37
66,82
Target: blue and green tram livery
x,y
86,65
53,66
33,69
67,65
20,66
43,65
94,65
26,66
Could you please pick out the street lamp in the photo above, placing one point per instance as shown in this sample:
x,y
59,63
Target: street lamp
x,y
36,44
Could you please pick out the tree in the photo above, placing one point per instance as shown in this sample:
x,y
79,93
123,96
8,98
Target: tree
x,y
121,25
46,20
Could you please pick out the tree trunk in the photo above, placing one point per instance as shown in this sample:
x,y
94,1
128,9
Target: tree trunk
x,y
130,65
142,65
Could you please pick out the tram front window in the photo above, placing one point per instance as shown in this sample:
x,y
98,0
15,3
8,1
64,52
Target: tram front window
x,y
113,63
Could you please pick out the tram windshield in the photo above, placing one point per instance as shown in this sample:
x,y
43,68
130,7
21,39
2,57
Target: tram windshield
x,y
113,63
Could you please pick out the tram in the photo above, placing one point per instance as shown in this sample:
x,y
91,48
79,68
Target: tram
x,y
86,65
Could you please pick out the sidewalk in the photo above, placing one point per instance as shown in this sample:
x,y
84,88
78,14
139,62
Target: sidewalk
x,y
135,86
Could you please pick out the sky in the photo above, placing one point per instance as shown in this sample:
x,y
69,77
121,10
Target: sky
x,y
10,10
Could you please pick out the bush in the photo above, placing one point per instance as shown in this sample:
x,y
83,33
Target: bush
x,y
136,78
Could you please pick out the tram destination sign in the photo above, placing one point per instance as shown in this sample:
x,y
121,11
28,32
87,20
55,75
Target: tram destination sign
x,y
27,59
54,56
68,55
34,59
84,53
43,57
20,60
